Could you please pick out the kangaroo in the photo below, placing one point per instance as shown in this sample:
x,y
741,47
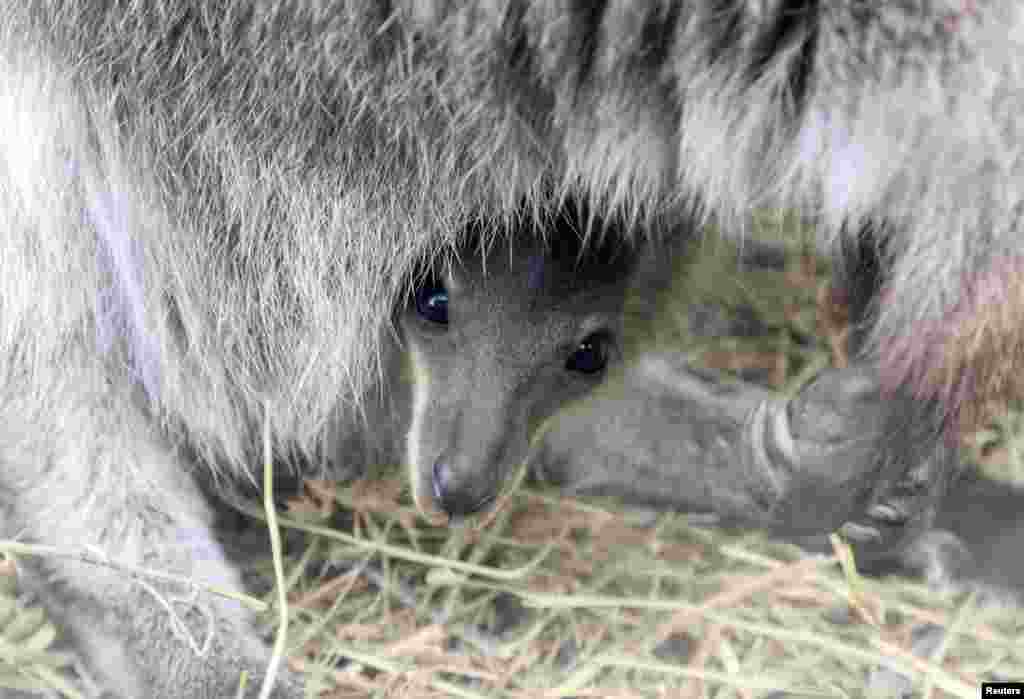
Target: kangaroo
x,y
212,211
496,342
487,347
492,348
491,345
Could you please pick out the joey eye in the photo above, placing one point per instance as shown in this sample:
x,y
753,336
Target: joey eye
x,y
432,301
591,356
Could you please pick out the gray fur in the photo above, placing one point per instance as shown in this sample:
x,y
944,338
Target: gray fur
x,y
977,540
662,433
481,384
209,208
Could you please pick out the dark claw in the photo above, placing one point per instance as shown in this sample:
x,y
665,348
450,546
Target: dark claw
x,y
895,512
860,533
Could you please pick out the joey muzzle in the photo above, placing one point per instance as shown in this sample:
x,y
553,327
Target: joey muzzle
x,y
459,497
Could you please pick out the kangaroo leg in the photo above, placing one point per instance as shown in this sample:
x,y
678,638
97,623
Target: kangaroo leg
x,y
89,475
670,435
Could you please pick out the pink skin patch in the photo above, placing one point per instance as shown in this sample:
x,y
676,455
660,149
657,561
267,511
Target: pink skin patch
x,y
972,357
968,10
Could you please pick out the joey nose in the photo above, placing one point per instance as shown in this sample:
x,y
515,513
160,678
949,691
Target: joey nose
x,y
457,499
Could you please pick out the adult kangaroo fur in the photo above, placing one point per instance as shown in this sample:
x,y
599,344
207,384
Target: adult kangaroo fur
x,y
210,208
